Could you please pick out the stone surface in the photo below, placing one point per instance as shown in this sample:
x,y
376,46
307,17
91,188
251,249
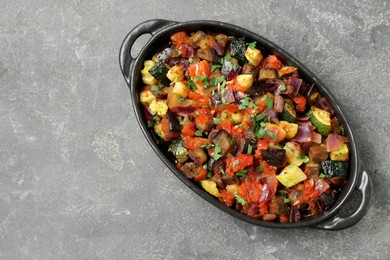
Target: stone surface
x,y
78,180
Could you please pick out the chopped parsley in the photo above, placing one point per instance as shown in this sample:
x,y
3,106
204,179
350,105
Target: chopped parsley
x,y
215,67
240,199
217,121
235,66
150,123
260,132
249,151
322,175
156,118
215,80
236,163
271,134
233,141
251,45
196,112
246,103
217,152
283,192
204,80
242,173
191,60
207,146
191,84
209,174
177,53
198,133
154,88
182,122
270,102
286,200
204,166
260,168
282,87
221,170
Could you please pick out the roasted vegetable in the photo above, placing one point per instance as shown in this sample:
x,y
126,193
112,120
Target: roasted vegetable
x,y
210,186
159,71
318,153
321,120
334,168
267,74
274,156
179,151
174,122
238,48
288,113
291,175
148,78
253,56
294,154
341,154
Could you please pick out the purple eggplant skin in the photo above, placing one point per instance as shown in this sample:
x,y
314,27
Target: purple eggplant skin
x,y
174,122
274,156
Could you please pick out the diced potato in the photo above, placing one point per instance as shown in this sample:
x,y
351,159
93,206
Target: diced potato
x,y
291,175
237,117
146,97
181,89
290,128
176,73
173,98
254,56
159,107
210,186
147,78
341,154
232,188
293,154
245,81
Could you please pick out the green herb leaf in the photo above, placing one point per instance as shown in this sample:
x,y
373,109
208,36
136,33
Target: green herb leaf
x,y
191,84
177,53
182,122
233,141
156,118
224,114
209,174
191,60
198,133
154,88
322,175
260,168
286,200
240,199
270,102
235,66
204,80
242,173
260,117
153,112
215,80
249,151
150,123
271,134
260,133
252,45
215,67
282,87
227,57
196,112
217,152
217,121
283,192
221,170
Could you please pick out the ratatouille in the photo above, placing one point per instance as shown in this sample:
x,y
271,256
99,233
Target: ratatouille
x,y
245,126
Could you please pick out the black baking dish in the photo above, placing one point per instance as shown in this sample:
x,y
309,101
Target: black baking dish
x,y
160,31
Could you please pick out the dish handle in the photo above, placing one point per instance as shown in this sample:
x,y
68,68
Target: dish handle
x,y
364,187
149,27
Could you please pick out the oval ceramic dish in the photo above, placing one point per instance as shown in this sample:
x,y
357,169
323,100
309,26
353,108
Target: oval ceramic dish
x,y
160,31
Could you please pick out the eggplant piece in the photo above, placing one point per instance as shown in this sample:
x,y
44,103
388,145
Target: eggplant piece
x,y
174,122
267,74
165,55
198,156
277,206
216,99
238,48
318,153
159,72
274,156
249,69
224,141
189,170
221,39
325,201
205,54
195,38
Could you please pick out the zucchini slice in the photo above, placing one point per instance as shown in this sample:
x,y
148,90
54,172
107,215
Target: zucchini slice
x,y
288,114
320,120
334,168
291,175
159,72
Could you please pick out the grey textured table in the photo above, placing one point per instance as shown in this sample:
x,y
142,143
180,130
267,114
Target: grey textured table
x,y
78,180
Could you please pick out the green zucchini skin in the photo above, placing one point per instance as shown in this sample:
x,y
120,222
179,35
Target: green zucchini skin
x,y
288,114
334,168
159,72
238,48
